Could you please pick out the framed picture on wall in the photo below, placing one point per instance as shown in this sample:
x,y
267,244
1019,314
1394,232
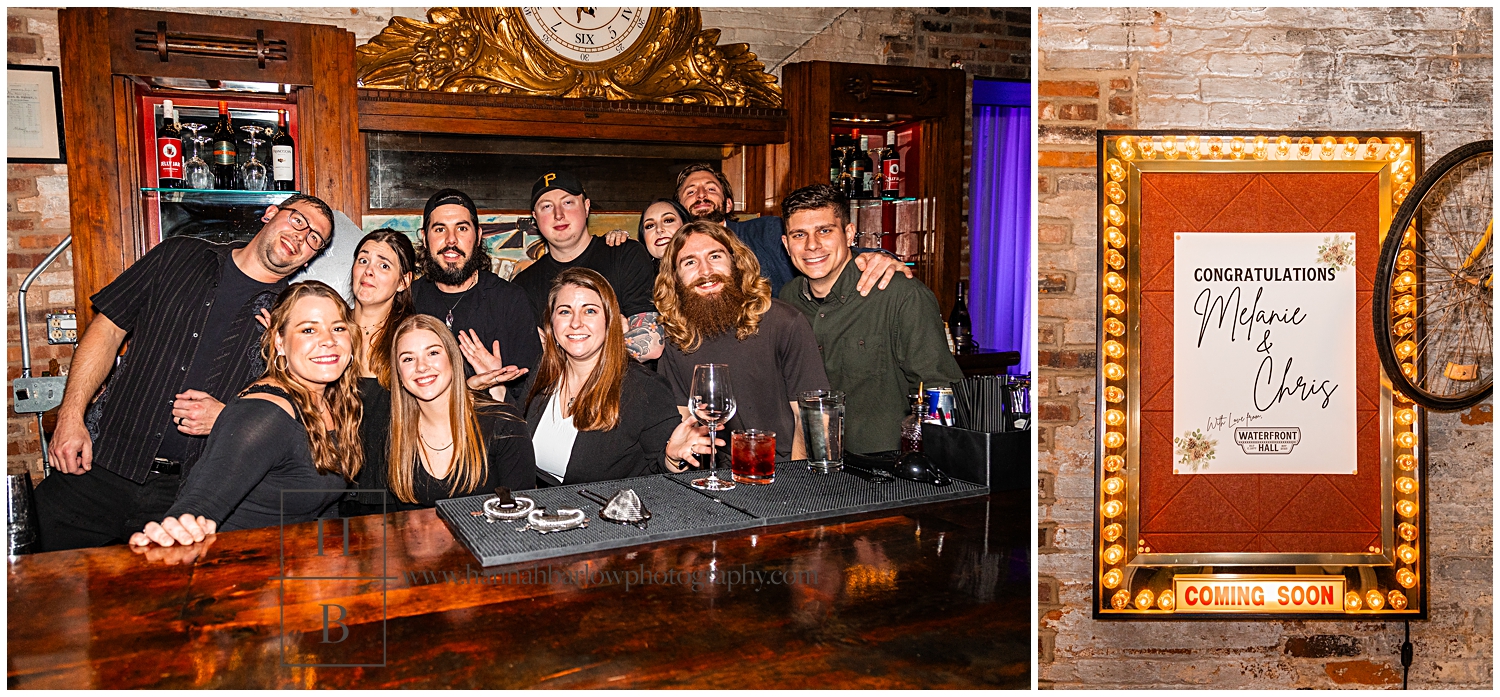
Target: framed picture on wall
x,y
1252,458
34,125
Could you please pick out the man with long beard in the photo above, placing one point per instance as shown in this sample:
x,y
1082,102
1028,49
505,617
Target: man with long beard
x,y
704,193
491,317
716,308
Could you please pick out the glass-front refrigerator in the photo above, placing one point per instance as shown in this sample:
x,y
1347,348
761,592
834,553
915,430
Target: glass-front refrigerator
x,y
211,174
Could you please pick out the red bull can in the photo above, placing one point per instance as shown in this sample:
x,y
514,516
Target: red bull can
x,y
939,399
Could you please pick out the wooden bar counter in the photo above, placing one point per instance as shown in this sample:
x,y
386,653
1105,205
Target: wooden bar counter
x,y
927,596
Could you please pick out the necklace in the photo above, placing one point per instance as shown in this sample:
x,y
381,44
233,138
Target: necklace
x,y
461,297
429,446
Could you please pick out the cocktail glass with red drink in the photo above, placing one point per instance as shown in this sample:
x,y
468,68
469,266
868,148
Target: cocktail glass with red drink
x,y
752,456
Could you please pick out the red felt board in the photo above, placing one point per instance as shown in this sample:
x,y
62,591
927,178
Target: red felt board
x,y
1195,513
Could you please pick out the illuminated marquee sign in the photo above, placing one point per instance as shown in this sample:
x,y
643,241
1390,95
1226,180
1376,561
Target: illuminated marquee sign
x,y
1243,417
1257,594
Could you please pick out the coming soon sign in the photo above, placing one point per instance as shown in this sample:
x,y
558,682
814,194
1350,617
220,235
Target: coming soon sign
x,y
1258,594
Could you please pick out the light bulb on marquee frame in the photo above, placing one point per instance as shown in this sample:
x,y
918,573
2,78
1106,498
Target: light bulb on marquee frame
x,y
1112,579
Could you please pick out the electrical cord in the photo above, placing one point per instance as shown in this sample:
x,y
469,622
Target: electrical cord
x,y
1406,655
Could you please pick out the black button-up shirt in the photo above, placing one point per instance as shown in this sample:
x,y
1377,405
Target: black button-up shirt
x,y
162,302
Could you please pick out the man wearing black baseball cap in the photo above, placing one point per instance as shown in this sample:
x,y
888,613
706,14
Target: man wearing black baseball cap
x,y
561,208
491,317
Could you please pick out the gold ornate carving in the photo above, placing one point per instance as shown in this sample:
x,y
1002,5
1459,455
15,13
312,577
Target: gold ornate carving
x,y
491,50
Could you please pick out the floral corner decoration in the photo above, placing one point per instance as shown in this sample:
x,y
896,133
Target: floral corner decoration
x,y
1196,450
1337,253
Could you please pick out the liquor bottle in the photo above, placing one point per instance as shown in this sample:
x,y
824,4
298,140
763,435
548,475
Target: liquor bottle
x,y
835,163
224,150
282,149
890,168
911,425
846,174
958,323
169,149
863,170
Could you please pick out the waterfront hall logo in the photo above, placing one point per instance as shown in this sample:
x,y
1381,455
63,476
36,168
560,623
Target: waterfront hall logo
x,y
333,588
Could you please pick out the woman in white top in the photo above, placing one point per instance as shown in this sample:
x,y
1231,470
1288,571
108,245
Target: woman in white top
x,y
594,414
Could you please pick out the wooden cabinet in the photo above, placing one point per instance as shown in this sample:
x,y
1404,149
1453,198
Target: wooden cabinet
x,y
494,146
115,61
926,108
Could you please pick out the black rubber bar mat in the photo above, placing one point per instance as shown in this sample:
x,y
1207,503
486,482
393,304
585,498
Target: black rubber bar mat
x,y
798,494
676,512
680,511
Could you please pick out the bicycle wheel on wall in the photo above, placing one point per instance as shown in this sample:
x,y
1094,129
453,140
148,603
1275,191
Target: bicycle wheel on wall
x,y
1433,286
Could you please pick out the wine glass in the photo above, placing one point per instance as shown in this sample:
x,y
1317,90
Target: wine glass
x,y
711,401
846,177
195,172
253,172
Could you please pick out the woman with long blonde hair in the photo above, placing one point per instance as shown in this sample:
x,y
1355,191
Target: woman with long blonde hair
x,y
445,439
593,413
283,451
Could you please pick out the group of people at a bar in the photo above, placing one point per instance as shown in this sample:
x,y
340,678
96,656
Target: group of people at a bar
x,y
246,402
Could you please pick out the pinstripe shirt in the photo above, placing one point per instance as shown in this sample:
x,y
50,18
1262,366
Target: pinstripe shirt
x,y
162,302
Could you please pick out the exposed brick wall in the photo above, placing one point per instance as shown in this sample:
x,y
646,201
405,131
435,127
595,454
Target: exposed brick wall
x,y
36,207
1420,69
990,42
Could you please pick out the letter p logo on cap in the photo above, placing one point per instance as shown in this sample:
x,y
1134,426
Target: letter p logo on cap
x,y
547,178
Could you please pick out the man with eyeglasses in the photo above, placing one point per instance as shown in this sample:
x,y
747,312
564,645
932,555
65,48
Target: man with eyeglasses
x,y
190,309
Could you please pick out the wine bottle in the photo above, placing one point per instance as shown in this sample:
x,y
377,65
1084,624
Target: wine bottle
x,y
224,150
169,149
890,168
846,173
958,323
863,170
282,150
835,165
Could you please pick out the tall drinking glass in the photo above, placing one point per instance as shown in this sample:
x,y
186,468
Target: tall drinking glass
x,y
822,413
711,401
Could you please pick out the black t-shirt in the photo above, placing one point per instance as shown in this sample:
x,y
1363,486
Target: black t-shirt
x,y
628,269
766,370
235,289
374,432
497,310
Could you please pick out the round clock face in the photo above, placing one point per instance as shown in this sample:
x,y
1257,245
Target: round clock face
x,y
587,35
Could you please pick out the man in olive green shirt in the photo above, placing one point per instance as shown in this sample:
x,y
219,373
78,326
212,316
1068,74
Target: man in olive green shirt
x,y
876,348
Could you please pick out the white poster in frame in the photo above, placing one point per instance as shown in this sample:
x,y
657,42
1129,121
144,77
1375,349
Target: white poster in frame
x,y
1264,354
33,101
